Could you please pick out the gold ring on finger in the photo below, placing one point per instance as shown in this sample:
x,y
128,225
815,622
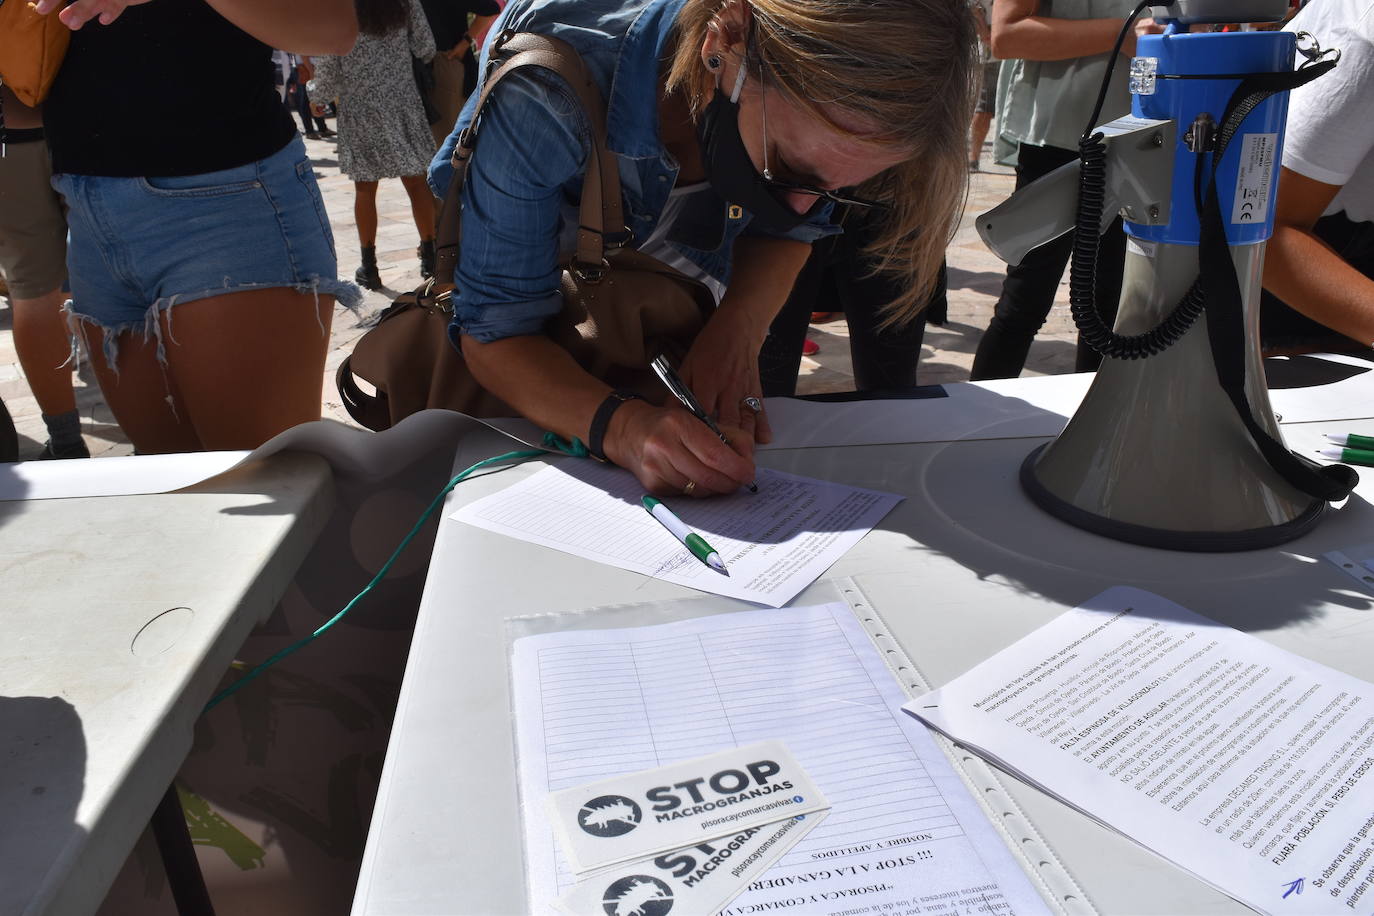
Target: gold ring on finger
x,y
687,490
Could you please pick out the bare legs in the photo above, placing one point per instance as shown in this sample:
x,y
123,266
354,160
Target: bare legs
x,y
978,132
41,339
240,368
365,208
365,215
421,205
365,212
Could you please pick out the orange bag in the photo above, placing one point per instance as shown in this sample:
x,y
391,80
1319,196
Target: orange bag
x,y
31,50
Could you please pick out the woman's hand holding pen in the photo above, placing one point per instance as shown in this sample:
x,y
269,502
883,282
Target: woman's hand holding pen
x,y
667,449
722,369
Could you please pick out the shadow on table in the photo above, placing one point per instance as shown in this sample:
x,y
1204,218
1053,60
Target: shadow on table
x,y
42,778
14,490
1308,371
281,780
967,504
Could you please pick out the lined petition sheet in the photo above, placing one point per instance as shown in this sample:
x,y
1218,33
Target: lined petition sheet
x,y
774,542
595,704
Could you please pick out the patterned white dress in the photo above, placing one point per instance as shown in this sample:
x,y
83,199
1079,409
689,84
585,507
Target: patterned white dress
x,y
382,128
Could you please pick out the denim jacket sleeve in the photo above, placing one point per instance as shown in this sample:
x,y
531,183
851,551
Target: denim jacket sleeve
x,y
532,143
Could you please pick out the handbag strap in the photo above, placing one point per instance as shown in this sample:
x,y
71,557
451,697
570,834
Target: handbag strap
x,y
371,410
601,202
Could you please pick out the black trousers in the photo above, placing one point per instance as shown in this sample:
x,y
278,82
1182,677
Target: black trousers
x,y
836,277
298,101
1029,288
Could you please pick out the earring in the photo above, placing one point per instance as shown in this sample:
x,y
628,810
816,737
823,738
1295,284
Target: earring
x,y
713,62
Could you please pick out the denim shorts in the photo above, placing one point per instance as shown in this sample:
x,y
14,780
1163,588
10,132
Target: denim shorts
x,y
139,246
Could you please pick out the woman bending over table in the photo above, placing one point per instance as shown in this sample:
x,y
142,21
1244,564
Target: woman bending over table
x,y
737,125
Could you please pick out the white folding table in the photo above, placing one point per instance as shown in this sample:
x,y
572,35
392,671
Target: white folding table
x,y
120,615
962,568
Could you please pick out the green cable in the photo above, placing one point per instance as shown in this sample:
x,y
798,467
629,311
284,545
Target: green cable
x,y
574,448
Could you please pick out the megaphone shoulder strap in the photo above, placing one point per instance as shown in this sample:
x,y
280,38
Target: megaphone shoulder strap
x,y
1225,318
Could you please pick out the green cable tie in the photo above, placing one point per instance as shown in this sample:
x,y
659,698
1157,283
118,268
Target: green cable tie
x,y
574,448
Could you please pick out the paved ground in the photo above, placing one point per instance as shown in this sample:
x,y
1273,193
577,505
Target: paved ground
x,y
975,277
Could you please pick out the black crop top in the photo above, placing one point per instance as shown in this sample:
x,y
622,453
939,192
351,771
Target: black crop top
x,y
169,88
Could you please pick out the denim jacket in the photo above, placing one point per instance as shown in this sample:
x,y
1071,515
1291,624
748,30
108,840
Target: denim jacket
x,y
525,179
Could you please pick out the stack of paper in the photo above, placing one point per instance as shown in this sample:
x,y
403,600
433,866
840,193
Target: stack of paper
x,y
690,835
1242,763
595,705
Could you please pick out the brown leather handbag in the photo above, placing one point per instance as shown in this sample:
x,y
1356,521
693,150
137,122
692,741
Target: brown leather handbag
x,y
621,308
31,50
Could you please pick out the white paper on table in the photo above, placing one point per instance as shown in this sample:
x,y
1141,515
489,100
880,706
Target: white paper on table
x,y
1348,399
1019,408
774,542
123,476
1248,766
592,704
1008,409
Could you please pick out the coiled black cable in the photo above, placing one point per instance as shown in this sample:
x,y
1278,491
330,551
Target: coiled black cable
x,y
1092,194
1092,185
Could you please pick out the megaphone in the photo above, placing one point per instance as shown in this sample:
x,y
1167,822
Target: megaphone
x,y
1175,444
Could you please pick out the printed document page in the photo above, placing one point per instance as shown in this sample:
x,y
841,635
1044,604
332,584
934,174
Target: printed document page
x,y
774,542
1242,763
904,835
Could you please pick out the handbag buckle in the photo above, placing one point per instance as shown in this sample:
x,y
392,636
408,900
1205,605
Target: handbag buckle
x,y
438,303
624,238
589,273
444,302
462,149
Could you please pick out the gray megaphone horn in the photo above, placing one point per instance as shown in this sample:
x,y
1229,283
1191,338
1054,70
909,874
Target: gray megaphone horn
x,y
1175,444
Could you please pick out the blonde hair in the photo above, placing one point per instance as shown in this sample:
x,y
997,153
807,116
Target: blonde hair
x,y
909,65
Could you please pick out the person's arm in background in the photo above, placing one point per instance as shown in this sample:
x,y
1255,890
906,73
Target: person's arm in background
x,y
1308,274
302,26
1018,32
477,29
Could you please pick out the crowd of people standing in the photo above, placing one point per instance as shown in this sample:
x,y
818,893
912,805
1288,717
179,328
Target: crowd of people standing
x,y
195,265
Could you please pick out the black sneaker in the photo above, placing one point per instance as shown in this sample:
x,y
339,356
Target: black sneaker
x,y
75,450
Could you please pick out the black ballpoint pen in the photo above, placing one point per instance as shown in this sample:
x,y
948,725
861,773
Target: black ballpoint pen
x,y
678,388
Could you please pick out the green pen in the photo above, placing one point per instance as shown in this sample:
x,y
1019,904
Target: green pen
x,y
689,538
1350,440
1358,456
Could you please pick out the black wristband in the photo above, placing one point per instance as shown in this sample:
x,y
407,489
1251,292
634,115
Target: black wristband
x,y
596,435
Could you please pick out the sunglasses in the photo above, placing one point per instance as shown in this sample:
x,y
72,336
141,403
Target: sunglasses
x,y
779,187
